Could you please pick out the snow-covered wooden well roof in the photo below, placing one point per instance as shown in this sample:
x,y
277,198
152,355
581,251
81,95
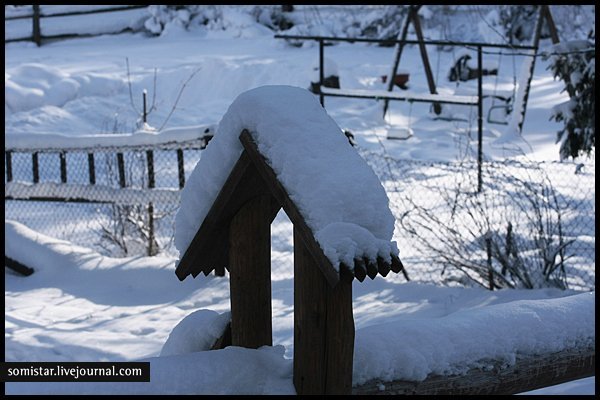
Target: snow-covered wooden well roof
x,y
307,165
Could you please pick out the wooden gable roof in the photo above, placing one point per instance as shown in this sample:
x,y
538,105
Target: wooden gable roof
x,y
252,176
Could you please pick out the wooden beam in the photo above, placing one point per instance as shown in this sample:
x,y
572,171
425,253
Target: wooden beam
x,y
323,327
9,174
250,274
196,251
398,56
209,247
528,373
17,266
551,25
419,32
279,192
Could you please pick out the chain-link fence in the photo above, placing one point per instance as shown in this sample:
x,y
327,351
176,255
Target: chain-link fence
x,y
118,198
532,225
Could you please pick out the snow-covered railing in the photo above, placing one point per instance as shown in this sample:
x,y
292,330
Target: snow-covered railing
x,y
120,168
175,138
25,23
527,373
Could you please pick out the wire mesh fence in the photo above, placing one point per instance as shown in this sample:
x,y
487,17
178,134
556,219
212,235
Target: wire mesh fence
x,y
532,225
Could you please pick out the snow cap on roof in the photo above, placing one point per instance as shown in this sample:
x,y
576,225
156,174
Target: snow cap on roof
x,y
337,193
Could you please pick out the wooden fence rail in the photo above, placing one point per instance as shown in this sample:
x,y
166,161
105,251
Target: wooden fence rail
x,y
38,14
528,373
33,188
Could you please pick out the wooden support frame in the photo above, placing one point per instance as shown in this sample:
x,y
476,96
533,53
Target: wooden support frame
x,y
235,234
544,15
250,273
398,56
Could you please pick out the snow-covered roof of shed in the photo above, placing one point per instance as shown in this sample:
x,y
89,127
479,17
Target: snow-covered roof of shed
x,y
337,193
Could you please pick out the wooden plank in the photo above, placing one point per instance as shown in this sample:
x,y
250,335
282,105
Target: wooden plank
x,y
419,32
9,174
323,327
121,168
35,29
371,269
383,267
17,266
180,168
35,166
206,251
550,22
279,192
397,56
194,258
63,166
150,166
310,321
91,168
339,340
528,373
250,274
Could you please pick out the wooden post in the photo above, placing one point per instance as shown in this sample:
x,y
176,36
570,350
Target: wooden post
x,y
35,167
180,168
437,108
321,71
536,44
9,174
63,166
250,274
323,328
479,120
398,56
91,168
151,183
551,25
36,34
121,168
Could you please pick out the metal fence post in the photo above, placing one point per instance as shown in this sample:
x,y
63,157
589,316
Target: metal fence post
x,y
479,119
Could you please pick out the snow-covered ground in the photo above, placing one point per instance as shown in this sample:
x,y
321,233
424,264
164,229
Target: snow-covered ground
x,y
82,306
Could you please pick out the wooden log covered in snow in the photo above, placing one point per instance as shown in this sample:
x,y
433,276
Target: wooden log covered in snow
x,y
528,373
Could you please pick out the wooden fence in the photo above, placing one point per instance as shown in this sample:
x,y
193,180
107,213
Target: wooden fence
x,y
37,14
66,184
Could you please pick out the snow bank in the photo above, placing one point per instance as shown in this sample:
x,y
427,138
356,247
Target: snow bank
x,y
34,85
475,338
233,370
197,332
339,196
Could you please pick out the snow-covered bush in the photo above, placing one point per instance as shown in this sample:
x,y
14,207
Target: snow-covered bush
x,y
384,24
180,15
508,236
575,63
519,22
272,17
